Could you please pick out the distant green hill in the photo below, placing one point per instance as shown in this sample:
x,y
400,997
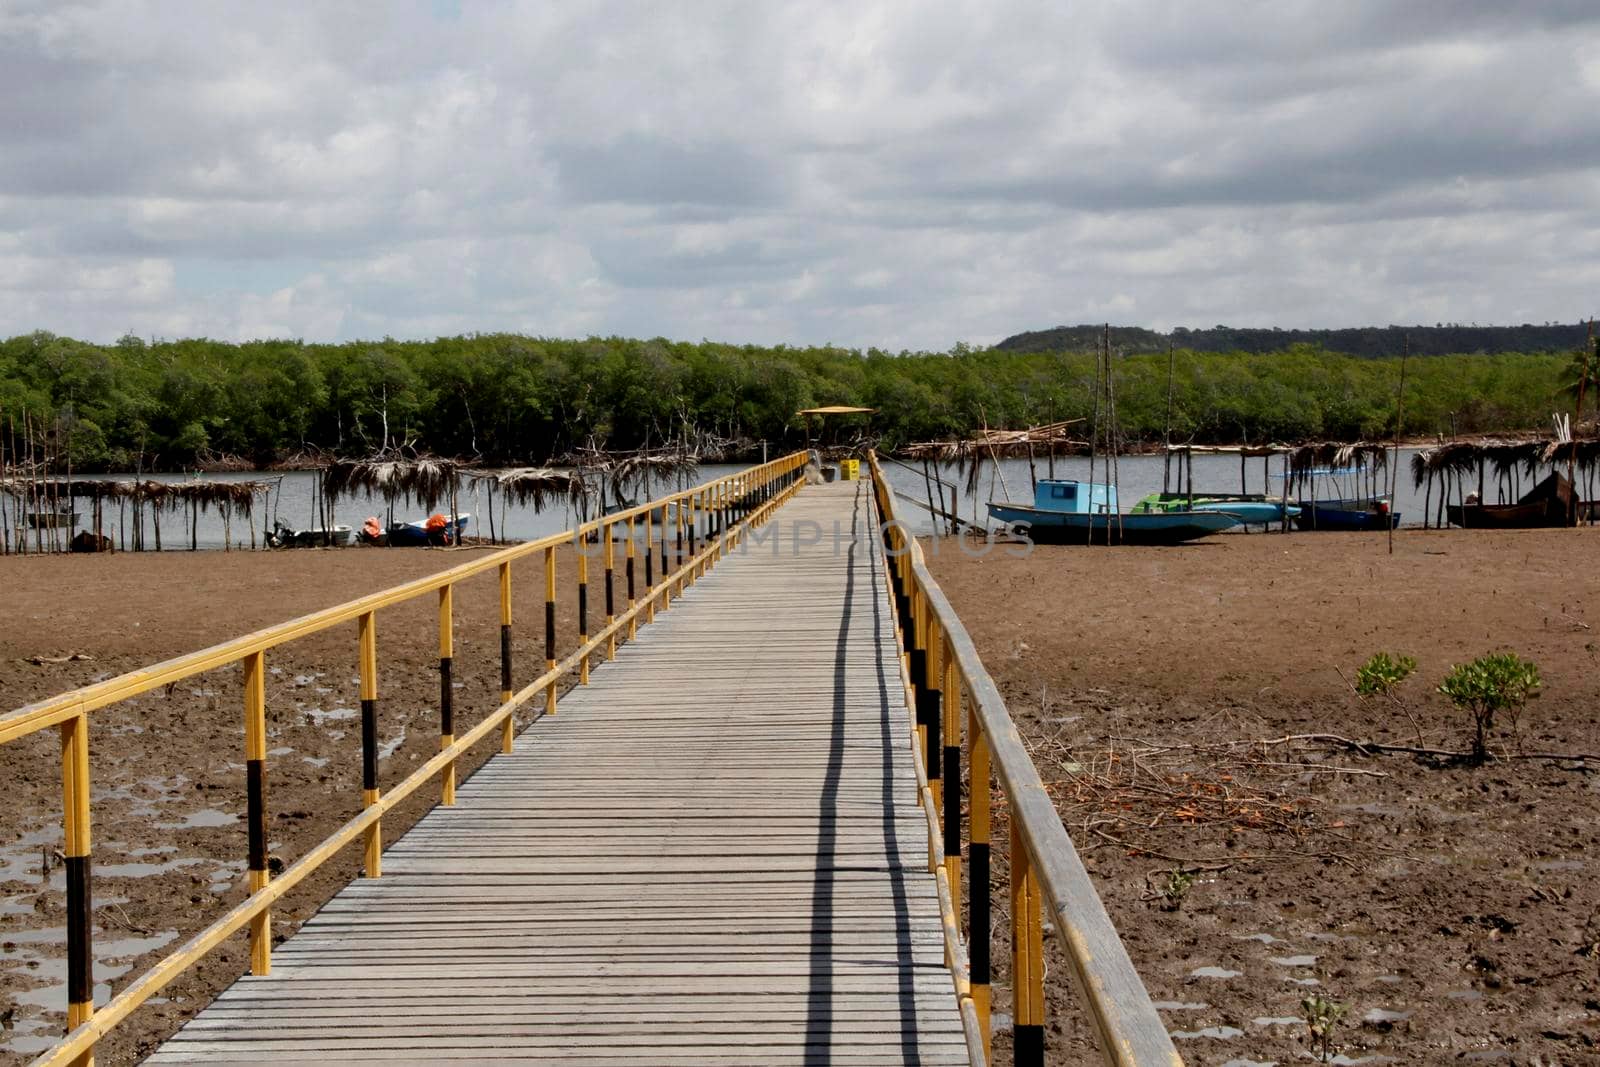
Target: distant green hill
x,y
1366,341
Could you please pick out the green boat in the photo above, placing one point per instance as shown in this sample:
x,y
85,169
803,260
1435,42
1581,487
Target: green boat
x,y
1251,509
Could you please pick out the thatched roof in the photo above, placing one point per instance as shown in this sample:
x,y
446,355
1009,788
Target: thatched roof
x,y
640,469
996,444
224,495
1504,456
425,479
535,485
1304,459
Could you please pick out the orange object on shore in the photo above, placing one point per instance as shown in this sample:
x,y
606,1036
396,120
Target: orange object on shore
x,y
435,522
371,528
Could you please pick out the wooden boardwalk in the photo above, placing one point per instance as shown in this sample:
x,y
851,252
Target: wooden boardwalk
x,y
712,854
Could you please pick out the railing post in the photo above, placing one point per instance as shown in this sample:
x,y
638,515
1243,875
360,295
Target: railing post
x,y
611,602
368,629
509,730
447,689
666,586
549,627
80,910
694,532
583,605
979,934
950,689
649,567
677,545
1027,956
633,620
255,764
938,729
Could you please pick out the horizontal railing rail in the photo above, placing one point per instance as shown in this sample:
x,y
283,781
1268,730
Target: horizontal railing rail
x,y
944,673
702,524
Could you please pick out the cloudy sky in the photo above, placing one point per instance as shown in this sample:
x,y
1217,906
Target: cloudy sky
x,y
905,175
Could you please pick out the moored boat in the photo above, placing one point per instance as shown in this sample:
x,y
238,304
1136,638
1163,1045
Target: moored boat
x,y
1550,503
1070,512
284,537
1354,513
434,530
1251,509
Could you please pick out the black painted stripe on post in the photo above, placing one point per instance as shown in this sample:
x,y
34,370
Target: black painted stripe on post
x,y
549,629
649,565
505,658
80,946
1027,1044
952,800
447,697
369,744
255,787
979,933
583,609
629,569
928,712
611,596
665,570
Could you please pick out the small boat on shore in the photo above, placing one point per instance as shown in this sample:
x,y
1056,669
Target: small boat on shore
x,y
1070,512
62,519
1550,503
1354,513
284,537
434,530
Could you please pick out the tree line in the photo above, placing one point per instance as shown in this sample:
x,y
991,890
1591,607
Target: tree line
x,y
508,399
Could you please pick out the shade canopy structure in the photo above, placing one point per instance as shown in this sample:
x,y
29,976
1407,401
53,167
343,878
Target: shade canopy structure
x,y
831,409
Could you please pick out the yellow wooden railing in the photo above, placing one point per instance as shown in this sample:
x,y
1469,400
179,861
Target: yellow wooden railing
x,y
705,523
943,675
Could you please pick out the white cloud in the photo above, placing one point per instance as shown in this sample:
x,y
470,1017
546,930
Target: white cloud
x,y
891,174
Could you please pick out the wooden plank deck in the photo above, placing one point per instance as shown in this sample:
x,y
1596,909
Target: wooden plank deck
x,y
711,855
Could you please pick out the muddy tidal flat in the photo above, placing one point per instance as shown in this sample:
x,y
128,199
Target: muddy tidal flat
x,y
1451,911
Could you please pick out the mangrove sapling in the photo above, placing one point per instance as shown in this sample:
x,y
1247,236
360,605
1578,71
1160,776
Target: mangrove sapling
x,y
1489,685
1381,676
1175,888
1322,1015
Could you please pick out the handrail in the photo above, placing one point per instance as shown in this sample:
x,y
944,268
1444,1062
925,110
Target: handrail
x,y
715,514
943,666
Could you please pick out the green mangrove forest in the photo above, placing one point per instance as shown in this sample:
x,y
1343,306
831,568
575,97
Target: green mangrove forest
x,y
520,399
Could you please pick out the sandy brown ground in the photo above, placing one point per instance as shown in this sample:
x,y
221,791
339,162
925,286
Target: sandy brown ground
x,y
168,771
1453,910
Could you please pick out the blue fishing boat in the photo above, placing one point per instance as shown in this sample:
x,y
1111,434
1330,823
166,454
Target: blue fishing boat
x,y
1353,513
1070,512
1368,512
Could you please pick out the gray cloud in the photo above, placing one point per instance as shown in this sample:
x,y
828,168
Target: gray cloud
x,y
898,175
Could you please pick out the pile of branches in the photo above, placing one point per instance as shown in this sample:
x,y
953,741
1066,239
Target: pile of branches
x,y
1123,791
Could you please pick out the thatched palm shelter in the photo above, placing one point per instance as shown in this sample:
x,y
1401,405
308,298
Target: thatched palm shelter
x,y
968,455
539,486
616,477
196,496
1456,464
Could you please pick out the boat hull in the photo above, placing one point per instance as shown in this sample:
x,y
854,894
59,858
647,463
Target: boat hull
x,y
1345,515
1156,528
416,535
1534,516
1250,510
